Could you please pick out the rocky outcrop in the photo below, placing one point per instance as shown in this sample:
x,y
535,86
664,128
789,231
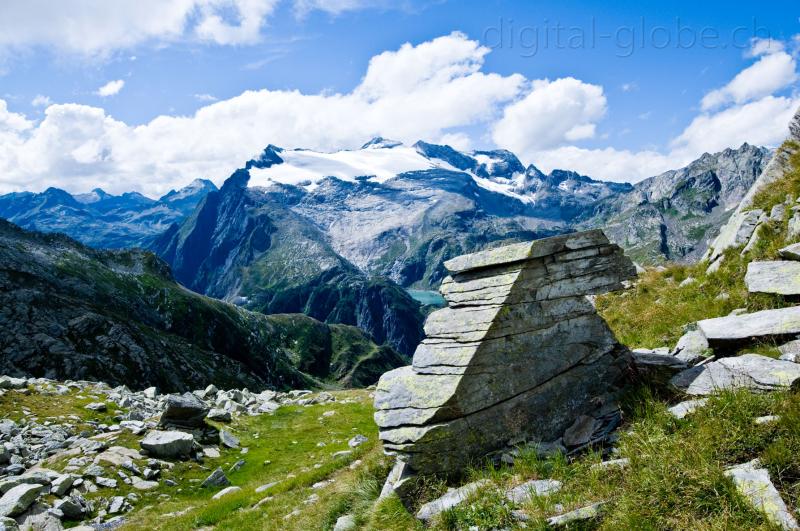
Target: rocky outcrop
x,y
749,371
518,354
764,324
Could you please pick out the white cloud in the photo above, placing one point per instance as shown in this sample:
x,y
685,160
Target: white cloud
x,y
78,147
205,97
761,47
111,88
772,72
552,114
41,101
435,91
100,28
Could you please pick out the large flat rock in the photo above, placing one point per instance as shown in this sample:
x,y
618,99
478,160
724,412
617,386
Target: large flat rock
x,y
781,322
750,371
779,277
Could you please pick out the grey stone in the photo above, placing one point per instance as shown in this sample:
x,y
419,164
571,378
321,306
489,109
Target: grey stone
x,y
8,524
687,407
8,382
749,371
793,231
219,415
580,432
590,512
766,419
19,498
74,507
530,489
356,441
790,351
96,406
346,522
61,485
518,337
142,484
781,322
612,463
106,482
225,492
778,213
791,252
169,444
227,439
657,368
266,487
779,277
452,498
692,347
216,479
184,411
754,483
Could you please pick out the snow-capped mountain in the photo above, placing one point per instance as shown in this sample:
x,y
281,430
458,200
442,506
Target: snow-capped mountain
x,y
100,219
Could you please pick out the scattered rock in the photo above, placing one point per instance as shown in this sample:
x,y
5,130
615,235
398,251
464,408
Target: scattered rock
x,y
264,488
692,347
142,484
168,444
657,368
228,440
452,498
96,406
530,489
225,492
754,484
356,441
7,382
589,512
345,523
736,232
580,432
219,415
612,463
687,407
767,419
749,371
216,479
688,281
106,482
791,252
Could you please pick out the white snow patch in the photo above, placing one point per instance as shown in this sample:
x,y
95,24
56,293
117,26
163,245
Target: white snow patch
x,y
303,166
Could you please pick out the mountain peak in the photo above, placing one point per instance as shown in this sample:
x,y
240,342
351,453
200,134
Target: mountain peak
x,y
381,143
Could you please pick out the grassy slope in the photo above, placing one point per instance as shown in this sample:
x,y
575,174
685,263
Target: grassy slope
x,y
675,479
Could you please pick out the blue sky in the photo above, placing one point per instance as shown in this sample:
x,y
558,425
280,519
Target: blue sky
x,y
616,91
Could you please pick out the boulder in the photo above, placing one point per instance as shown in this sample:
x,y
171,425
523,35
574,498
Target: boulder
x,y
754,483
9,382
346,522
452,498
518,354
18,499
184,411
749,371
657,368
169,444
228,440
219,415
779,277
737,328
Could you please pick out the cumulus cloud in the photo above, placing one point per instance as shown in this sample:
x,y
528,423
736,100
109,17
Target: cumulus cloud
x,y
99,28
771,73
552,114
76,146
436,91
111,88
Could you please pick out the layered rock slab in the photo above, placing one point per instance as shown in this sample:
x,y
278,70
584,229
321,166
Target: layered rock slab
x,y
518,354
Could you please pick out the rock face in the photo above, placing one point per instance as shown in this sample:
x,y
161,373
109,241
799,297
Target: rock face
x,y
779,277
518,354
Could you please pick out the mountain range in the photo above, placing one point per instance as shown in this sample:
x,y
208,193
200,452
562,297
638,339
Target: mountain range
x,y
355,236
100,219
